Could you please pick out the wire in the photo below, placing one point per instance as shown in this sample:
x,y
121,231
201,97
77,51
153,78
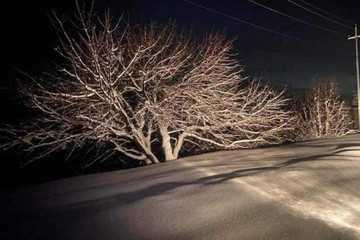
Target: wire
x,y
319,14
326,12
292,17
240,20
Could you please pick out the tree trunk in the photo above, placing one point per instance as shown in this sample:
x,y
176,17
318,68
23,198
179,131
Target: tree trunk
x,y
166,143
140,140
178,146
151,157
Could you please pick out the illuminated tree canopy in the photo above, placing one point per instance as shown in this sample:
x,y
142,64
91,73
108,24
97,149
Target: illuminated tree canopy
x,y
144,87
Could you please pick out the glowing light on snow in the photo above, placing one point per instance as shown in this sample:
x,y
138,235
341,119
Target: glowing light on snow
x,y
332,205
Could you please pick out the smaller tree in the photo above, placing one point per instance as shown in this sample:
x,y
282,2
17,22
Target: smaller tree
x,y
323,113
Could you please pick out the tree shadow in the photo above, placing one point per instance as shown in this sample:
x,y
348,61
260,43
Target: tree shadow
x,y
157,188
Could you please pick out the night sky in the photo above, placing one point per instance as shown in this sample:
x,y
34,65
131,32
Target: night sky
x,y
293,57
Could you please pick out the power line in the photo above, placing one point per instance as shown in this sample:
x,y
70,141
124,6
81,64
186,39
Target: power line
x,y
326,12
240,20
292,17
319,14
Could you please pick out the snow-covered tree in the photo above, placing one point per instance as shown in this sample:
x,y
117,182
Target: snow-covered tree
x,y
139,88
323,113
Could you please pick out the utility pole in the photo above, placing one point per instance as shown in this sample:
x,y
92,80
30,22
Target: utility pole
x,y
356,38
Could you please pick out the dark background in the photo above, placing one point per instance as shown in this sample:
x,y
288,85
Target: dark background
x,y
295,61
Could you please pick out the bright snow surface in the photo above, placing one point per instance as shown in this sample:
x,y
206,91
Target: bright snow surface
x,y
307,190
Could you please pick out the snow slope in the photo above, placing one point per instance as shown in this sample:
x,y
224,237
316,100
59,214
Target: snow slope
x,y
308,190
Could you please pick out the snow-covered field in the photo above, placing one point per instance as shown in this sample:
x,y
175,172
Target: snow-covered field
x,y
317,179
308,190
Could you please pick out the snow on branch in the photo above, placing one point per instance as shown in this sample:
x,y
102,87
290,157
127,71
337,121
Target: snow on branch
x,y
131,86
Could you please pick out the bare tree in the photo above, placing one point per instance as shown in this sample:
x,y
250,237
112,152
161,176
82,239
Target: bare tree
x,y
323,113
135,86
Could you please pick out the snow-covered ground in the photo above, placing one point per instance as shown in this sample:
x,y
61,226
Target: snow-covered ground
x,y
308,190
